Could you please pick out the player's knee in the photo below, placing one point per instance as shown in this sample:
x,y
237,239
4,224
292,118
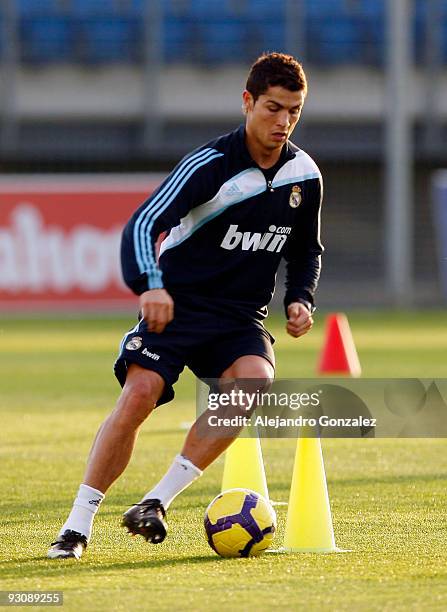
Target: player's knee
x,y
253,374
139,397
262,373
251,367
134,406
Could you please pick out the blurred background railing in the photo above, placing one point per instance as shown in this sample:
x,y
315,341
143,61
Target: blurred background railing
x,y
113,85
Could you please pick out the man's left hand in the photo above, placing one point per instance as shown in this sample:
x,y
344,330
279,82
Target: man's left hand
x,y
300,320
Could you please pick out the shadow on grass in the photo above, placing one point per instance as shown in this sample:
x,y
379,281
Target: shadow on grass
x,y
43,567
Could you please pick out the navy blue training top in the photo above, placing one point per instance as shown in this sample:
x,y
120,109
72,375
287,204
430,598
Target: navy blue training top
x,y
229,223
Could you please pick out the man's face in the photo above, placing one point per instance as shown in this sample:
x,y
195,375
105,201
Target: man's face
x,y
274,115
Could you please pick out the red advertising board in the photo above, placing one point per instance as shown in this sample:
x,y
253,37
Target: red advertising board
x,y
60,238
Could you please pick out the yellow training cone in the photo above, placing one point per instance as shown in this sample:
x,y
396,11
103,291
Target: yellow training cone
x,y
309,521
244,467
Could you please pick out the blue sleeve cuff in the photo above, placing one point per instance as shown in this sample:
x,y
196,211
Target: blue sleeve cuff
x,y
155,279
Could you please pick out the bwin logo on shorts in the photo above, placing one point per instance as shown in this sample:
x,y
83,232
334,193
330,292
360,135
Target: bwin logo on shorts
x,y
273,240
151,355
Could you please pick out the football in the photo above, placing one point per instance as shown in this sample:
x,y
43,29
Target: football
x,y
240,523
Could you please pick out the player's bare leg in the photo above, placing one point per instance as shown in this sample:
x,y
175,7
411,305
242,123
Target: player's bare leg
x,y
199,450
203,450
114,443
109,456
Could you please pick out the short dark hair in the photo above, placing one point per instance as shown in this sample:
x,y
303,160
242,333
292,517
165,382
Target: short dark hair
x,y
272,69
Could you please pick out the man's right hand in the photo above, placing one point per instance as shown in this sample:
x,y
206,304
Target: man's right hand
x,y
157,308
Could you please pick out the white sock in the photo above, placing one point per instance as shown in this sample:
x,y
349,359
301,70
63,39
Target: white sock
x,y
85,506
180,475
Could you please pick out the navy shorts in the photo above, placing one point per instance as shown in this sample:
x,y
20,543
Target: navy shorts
x,y
203,335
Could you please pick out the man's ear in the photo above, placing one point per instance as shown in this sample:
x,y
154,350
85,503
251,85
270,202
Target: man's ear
x,y
247,101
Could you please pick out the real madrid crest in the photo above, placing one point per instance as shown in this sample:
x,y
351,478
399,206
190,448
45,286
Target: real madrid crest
x,y
295,196
134,343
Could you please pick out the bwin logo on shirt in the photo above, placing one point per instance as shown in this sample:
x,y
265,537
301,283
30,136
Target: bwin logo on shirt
x,y
273,240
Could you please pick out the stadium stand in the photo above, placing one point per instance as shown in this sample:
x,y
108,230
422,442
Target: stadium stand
x,y
338,32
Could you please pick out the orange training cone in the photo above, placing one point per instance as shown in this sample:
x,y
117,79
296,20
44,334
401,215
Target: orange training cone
x,y
339,355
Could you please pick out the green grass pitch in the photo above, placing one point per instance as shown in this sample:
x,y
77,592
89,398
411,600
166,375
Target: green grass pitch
x,y
388,497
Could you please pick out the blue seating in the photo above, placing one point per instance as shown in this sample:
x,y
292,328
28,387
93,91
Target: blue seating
x,y
215,9
108,40
222,41
338,45
178,41
170,8
370,9
26,8
2,42
210,31
86,8
47,39
262,9
262,37
106,32
266,28
325,8
444,32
